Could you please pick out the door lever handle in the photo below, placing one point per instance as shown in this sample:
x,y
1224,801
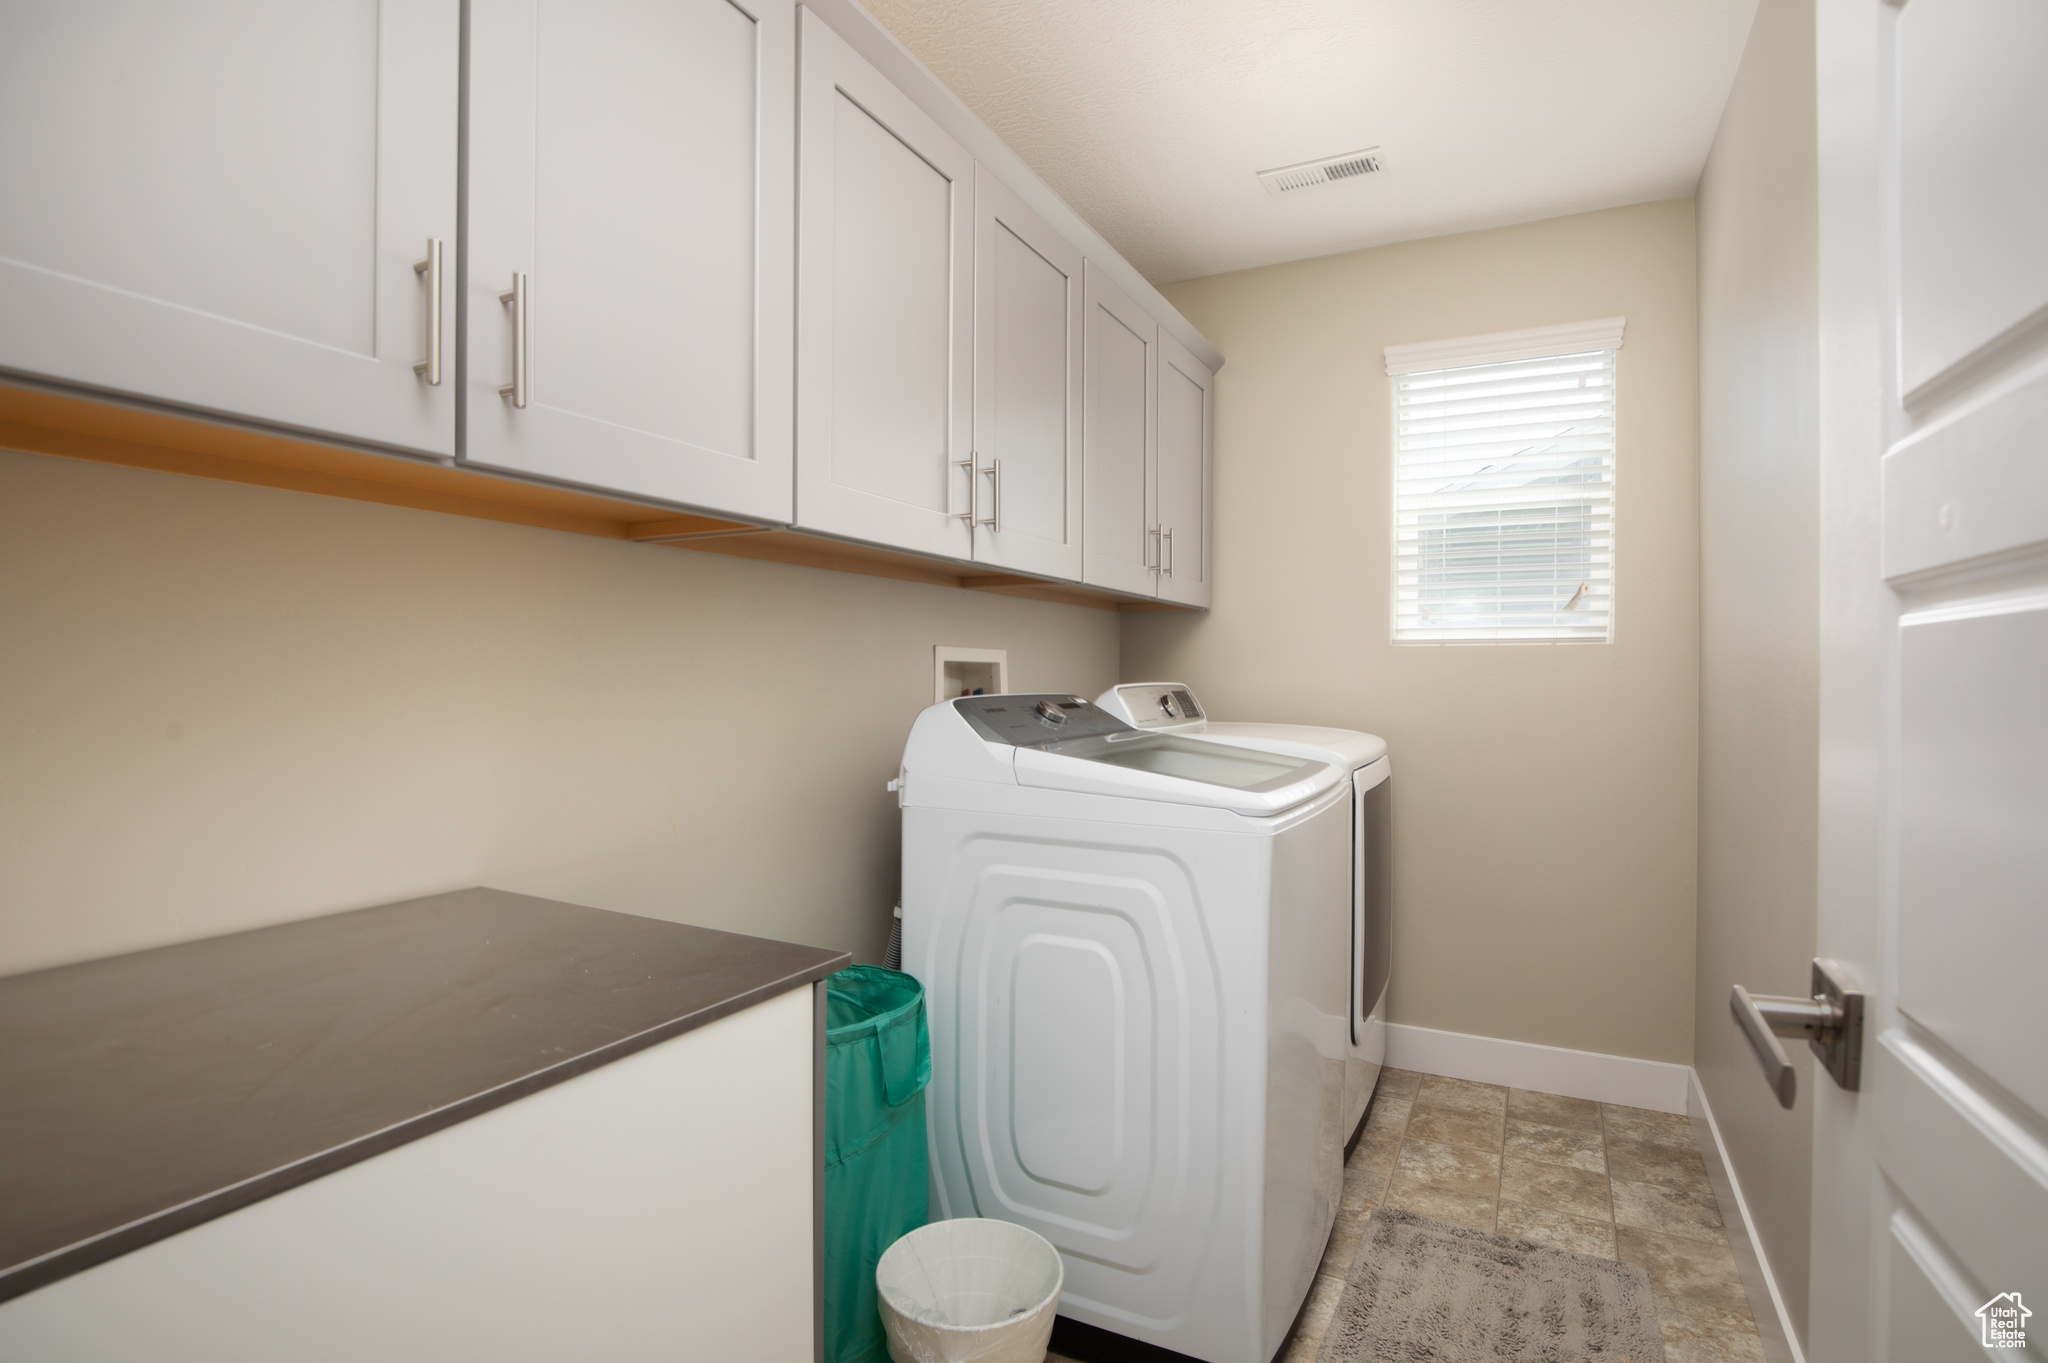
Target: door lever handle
x,y
1759,1028
1831,1021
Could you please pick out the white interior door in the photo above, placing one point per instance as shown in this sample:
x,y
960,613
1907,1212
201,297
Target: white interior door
x,y
1119,520
1931,1185
219,205
1027,387
631,161
1186,414
885,310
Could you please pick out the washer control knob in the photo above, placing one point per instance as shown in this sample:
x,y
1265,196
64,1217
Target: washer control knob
x,y
1050,713
1168,708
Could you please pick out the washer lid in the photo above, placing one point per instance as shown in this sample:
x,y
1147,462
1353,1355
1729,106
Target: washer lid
x,y
1178,770
1349,746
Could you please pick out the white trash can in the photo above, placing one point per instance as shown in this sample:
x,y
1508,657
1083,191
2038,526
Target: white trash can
x,y
969,1291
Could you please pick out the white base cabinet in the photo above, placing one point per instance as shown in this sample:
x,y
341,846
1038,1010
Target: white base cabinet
x,y
658,1207
628,285
219,205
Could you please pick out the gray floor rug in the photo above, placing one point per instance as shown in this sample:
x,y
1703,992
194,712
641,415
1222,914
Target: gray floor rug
x,y
1426,1290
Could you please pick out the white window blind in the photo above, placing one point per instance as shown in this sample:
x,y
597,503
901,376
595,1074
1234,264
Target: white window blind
x,y
1504,488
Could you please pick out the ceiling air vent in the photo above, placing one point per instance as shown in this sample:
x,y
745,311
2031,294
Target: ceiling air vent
x,y
1329,170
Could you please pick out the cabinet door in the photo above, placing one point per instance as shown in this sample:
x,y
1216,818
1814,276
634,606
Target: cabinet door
x,y
1027,387
884,310
1185,416
1121,441
218,204
631,161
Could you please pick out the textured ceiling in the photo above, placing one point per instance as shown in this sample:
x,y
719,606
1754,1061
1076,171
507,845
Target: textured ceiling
x,y
1151,117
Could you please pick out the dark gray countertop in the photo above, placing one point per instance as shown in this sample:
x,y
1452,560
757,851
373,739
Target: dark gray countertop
x,y
144,1094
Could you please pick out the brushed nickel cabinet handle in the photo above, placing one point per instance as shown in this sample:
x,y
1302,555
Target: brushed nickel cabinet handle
x,y
516,296
1167,554
430,368
973,511
995,518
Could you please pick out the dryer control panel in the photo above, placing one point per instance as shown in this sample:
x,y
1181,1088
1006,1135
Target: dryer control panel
x,y
1032,721
1158,705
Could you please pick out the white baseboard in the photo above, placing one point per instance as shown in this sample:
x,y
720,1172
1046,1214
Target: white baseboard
x,y
1652,1084
1766,1303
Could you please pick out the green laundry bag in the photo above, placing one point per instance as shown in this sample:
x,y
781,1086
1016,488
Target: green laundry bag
x,y
878,1058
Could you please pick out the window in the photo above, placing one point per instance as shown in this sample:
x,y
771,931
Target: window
x,y
1504,486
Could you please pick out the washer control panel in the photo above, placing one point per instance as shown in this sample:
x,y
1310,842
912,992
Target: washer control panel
x,y
1032,721
1159,705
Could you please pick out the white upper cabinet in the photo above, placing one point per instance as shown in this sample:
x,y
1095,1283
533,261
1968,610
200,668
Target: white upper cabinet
x,y
1182,497
741,257
884,310
1122,433
219,205
628,283
1028,354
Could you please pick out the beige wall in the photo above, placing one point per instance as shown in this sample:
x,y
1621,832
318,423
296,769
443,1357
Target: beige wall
x,y
1759,608
1545,795
222,706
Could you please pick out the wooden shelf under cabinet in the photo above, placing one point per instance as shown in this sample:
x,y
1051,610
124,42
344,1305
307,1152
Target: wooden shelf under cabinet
x,y
39,421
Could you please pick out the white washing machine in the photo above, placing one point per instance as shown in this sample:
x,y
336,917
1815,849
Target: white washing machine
x,y
1133,947
1169,707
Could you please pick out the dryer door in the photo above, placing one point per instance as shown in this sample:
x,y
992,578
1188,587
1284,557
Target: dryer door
x,y
1372,885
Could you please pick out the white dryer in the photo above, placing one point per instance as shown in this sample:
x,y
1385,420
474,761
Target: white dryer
x,y
1133,950
1169,707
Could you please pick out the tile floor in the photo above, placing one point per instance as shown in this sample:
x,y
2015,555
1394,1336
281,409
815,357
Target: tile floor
x,y
1590,1177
